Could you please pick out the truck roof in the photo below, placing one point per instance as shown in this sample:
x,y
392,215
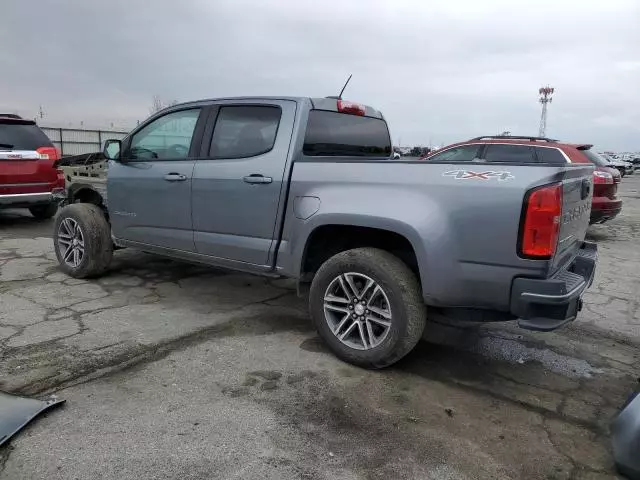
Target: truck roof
x,y
318,103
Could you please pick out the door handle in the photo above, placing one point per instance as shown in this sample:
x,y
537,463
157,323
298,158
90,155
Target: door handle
x,y
586,189
175,177
257,178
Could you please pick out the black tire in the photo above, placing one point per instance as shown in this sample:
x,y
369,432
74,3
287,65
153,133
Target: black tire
x,y
405,301
44,212
98,246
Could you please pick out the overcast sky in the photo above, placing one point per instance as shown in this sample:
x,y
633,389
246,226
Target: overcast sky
x,y
440,71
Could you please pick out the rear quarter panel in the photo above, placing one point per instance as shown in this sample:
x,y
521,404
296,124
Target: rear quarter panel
x,y
463,228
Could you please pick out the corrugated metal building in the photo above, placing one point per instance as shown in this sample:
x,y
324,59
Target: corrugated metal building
x,y
76,141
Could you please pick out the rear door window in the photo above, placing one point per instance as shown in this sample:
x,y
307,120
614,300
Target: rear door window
x,y
463,153
509,153
16,135
245,131
340,134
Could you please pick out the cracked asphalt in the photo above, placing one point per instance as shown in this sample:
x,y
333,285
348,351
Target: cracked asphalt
x,y
178,371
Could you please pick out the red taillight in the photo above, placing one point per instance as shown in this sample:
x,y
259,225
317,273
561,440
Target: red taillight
x,y
351,108
602,178
60,175
616,176
50,153
541,222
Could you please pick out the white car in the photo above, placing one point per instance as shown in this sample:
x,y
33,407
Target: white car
x,y
625,168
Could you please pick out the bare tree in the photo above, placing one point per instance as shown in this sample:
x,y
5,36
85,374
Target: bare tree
x,y
157,104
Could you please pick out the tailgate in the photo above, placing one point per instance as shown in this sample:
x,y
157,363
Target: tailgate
x,y
577,193
20,169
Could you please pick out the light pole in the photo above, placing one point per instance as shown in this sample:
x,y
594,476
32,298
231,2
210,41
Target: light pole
x,y
545,98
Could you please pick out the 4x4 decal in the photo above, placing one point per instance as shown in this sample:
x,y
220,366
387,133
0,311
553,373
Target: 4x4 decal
x,y
470,174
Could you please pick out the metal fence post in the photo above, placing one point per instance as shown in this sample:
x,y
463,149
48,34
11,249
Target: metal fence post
x,y
61,143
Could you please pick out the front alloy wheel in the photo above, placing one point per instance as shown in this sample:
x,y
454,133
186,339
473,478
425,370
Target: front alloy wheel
x,y
70,243
82,240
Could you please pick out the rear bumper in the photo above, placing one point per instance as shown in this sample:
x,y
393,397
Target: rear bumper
x,y
604,209
19,200
547,304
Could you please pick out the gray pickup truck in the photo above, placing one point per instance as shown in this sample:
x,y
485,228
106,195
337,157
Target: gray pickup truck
x,y
306,188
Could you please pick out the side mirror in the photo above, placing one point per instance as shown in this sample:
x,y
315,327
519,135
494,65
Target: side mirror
x,y
111,149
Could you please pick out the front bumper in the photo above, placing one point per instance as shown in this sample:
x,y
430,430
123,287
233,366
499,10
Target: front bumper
x,y
547,304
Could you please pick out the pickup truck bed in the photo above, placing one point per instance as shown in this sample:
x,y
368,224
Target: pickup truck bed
x,y
305,188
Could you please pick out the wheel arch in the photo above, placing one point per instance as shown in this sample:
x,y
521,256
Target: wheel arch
x,y
84,193
327,239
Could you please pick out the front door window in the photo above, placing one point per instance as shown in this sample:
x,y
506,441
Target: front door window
x,y
166,138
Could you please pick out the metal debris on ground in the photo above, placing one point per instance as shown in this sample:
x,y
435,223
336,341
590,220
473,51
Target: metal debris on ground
x,y
16,412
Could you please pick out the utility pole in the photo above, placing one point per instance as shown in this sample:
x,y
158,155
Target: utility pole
x,y
545,99
41,112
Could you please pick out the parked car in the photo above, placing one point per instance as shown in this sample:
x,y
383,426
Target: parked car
x,y
606,203
625,168
535,150
28,178
305,188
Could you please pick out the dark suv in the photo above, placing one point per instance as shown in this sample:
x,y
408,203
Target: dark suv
x,y
531,150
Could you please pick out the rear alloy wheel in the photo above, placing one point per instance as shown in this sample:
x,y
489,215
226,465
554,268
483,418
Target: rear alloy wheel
x,y
367,306
44,212
82,240
357,310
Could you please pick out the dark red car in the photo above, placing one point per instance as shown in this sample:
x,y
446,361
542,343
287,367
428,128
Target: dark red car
x,y
500,149
606,204
28,178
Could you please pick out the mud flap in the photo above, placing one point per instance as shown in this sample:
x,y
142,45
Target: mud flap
x,y
16,412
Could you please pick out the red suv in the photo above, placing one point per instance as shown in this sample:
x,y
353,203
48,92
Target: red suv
x,y
531,150
28,178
